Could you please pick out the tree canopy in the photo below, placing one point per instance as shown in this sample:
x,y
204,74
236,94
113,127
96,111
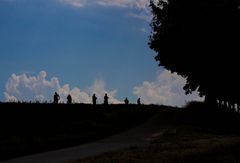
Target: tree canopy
x,y
199,40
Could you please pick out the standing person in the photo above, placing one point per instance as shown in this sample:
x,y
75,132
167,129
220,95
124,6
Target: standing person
x,y
94,99
69,99
139,101
126,101
56,98
106,99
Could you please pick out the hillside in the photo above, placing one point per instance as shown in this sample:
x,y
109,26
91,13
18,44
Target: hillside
x,y
32,128
196,133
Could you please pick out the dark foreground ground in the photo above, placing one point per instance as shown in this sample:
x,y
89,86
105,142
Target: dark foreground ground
x,y
32,128
197,133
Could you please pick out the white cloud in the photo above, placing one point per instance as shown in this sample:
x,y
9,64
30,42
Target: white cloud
x,y
144,15
39,88
138,4
78,96
75,3
144,30
167,89
10,98
99,88
141,5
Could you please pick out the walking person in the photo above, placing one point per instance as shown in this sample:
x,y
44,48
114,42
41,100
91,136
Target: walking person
x,y
126,101
94,99
139,101
69,99
106,99
56,98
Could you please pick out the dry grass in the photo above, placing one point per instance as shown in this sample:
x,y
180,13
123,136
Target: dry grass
x,y
180,146
193,134
32,128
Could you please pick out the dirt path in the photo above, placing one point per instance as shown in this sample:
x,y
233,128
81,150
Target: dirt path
x,y
136,136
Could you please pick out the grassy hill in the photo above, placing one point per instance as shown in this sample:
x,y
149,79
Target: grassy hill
x,y
31,128
196,133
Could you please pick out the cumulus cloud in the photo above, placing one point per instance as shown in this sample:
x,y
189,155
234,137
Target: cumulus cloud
x,y
99,88
26,88
78,96
167,89
10,98
38,88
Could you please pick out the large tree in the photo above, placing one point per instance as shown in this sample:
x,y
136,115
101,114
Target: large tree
x,y
199,39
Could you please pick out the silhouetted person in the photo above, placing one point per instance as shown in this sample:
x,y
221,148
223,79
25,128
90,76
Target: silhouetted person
x,y
106,99
126,101
139,101
56,98
94,99
69,99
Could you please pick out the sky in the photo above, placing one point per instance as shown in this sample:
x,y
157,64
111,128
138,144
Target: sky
x,y
81,47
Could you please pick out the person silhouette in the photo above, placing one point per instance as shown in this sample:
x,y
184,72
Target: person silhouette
x,y
56,98
69,99
139,101
126,101
106,99
94,99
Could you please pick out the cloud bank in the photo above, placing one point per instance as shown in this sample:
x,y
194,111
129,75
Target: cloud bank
x,y
38,88
167,89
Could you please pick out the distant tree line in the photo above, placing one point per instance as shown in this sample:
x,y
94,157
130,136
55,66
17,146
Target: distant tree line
x,y
199,40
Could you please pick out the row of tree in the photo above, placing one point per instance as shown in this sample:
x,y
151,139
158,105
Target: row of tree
x,y
199,40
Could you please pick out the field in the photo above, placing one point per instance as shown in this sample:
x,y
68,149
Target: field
x,y
193,134
32,128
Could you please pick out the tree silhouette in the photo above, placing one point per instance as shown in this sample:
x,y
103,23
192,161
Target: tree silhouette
x,y
198,39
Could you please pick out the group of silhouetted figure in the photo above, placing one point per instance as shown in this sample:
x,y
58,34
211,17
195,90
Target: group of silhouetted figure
x,y
56,99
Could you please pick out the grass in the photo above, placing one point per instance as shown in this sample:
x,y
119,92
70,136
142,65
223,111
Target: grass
x,y
32,128
212,148
196,133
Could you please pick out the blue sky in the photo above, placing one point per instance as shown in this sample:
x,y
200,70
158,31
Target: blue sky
x,y
80,42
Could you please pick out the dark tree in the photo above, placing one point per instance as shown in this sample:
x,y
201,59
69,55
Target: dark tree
x,y
199,40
